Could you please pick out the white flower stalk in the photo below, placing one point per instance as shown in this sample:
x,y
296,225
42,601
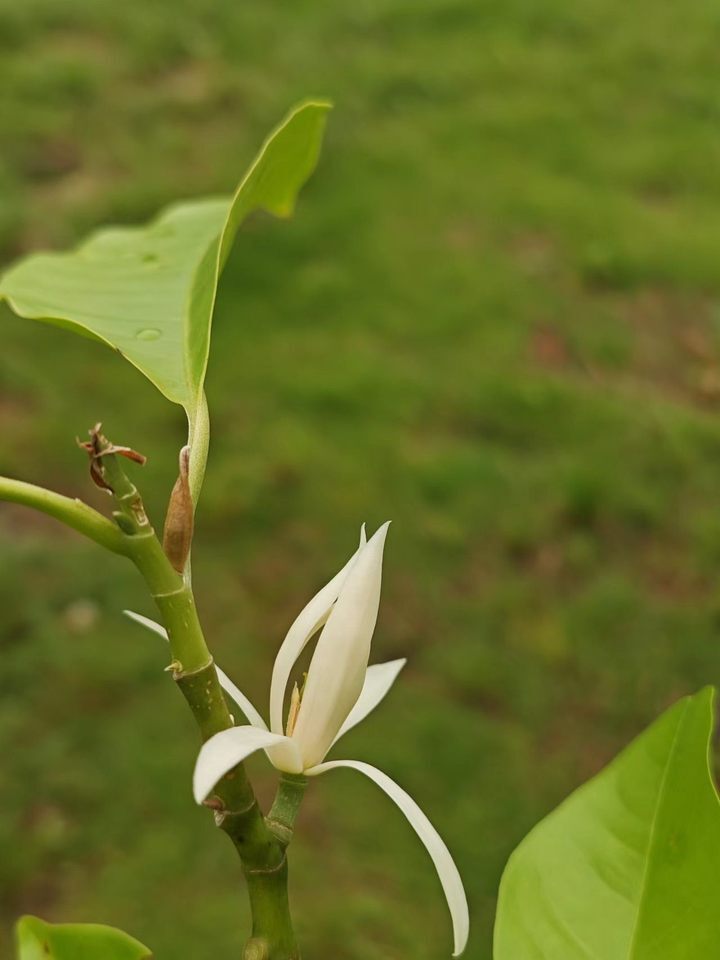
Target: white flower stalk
x,y
340,690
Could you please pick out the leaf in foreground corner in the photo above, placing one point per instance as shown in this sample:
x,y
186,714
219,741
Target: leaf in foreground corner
x,y
38,940
627,867
150,291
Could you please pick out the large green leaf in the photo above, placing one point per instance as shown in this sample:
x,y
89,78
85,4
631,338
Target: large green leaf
x,y
38,940
628,868
149,291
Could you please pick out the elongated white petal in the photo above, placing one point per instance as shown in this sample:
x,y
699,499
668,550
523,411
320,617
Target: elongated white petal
x,y
228,748
305,626
378,680
337,670
235,694
444,864
147,623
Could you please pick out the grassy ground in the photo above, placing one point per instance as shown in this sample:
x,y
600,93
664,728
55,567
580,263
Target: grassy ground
x,y
494,320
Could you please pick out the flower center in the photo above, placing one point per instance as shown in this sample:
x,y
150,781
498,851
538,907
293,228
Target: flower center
x,y
295,701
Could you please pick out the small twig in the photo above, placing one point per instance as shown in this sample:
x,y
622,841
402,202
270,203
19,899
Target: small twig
x,y
98,447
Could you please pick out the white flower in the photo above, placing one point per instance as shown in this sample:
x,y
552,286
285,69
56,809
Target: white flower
x,y
340,691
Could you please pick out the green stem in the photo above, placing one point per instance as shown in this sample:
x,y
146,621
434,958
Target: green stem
x,y
236,810
73,513
268,890
285,808
199,442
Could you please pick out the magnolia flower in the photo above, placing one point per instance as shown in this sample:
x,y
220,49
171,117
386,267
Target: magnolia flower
x,y
340,690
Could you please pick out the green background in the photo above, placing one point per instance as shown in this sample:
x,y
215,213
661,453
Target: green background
x,y
493,320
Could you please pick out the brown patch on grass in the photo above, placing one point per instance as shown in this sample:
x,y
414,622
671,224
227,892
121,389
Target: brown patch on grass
x,y
549,348
49,158
78,190
534,252
674,347
73,44
189,84
463,236
488,703
665,570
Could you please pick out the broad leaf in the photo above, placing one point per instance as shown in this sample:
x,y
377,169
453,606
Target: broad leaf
x,y
38,940
627,867
149,291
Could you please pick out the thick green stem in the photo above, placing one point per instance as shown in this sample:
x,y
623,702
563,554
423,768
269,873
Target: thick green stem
x,y
236,810
258,843
272,933
73,513
285,808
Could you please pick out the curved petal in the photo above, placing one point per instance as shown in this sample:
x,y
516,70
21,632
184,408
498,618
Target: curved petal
x,y
229,748
235,694
149,624
444,864
305,626
339,664
378,680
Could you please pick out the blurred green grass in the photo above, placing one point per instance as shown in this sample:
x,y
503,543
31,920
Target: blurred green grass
x,y
494,320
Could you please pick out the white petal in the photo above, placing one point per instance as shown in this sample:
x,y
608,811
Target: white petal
x,y
147,623
444,864
306,625
229,748
338,667
378,680
248,710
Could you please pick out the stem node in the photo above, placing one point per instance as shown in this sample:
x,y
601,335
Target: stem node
x,y
256,949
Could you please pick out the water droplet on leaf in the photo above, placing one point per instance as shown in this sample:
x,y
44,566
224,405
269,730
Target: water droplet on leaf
x,y
148,333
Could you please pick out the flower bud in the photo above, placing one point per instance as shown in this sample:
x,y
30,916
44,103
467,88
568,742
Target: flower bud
x,y
338,667
179,521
